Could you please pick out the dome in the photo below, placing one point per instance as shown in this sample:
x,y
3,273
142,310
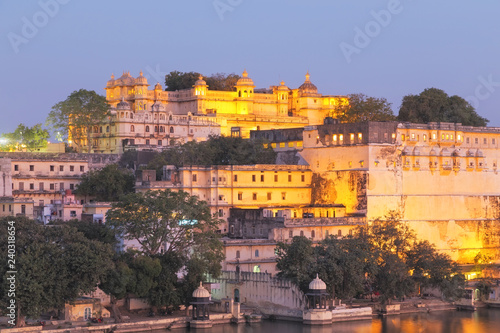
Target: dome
x,y
126,79
158,86
282,86
123,105
141,79
112,81
317,284
245,80
200,81
308,86
201,292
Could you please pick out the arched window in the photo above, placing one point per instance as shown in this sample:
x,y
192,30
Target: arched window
x,y
171,129
147,128
256,253
132,128
313,234
162,129
239,93
170,117
87,314
96,129
156,128
301,233
107,129
237,254
290,234
256,269
131,115
100,129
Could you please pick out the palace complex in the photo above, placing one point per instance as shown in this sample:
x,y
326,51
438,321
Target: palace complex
x,y
152,119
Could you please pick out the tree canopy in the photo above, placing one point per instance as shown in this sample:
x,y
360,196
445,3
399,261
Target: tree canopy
x,y
107,184
385,257
24,137
76,115
176,80
217,150
54,265
365,108
434,105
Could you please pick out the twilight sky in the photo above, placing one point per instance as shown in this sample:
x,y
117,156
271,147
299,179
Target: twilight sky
x,y
388,48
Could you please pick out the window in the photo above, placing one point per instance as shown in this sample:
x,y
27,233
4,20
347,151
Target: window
x,y
289,178
326,233
147,141
402,137
425,137
237,254
61,168
51,168
23,209
467,140
433,136
71,186
61,186
32,168
253,178
221,197
360,137
132,128
339,233
107,129
283,195
72,213
21,186
235,178
302,178
221,212
256,269
159,142
32,186
492,141
10,208
51,186
71,168
275,178
240,196
262,178
87,314
82,168
256,253
40,187
254,196
313,234
341,137
147,129
476,140
195,177
16,167
301,233
269,195
40,203
171,129
290,234
485,141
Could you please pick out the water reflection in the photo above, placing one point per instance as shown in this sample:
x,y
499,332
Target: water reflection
x,y
483,320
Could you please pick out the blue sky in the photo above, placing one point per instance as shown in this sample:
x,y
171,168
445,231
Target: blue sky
x,y
380,48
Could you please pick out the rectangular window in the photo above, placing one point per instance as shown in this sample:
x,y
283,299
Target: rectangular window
x,y
23,209
360,137
21,186
485,141
71,168
221,197
289,178
283,195
240,196
51,186
61,186
269,195
476,141
290,234
159,142
147,141
51,168
72,213
425,138
275,178
32,186
402,137
195,178
40,203
32,168
254,196
235,178
221,212
302,178
467,140
253,178
16,167
492,141
71,186
82,168
262,178
61,168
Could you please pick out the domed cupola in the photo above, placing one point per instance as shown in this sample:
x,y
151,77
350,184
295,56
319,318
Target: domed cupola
x,y
200,81
111,82
317,284
200,86
141,80
283,87
123,105
126,79
158,86
201,292
245,80
244,86
308,87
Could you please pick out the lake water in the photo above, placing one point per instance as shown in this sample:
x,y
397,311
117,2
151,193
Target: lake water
x,y
481,321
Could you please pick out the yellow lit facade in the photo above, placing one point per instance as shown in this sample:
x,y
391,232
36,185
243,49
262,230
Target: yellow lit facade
x,y
144,118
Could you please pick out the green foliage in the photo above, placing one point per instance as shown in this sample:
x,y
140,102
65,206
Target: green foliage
x,y
434,105
296,261
217,150
176,80
93,231
74,117
54,265
107,184
365,108
24,137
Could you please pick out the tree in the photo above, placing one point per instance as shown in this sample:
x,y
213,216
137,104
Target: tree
x,y
434,105
77,115
54,265
364,108
107,184
176,80
31,138
176,220
296,261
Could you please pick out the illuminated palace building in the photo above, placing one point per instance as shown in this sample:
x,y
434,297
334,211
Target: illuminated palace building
x,y
145,118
